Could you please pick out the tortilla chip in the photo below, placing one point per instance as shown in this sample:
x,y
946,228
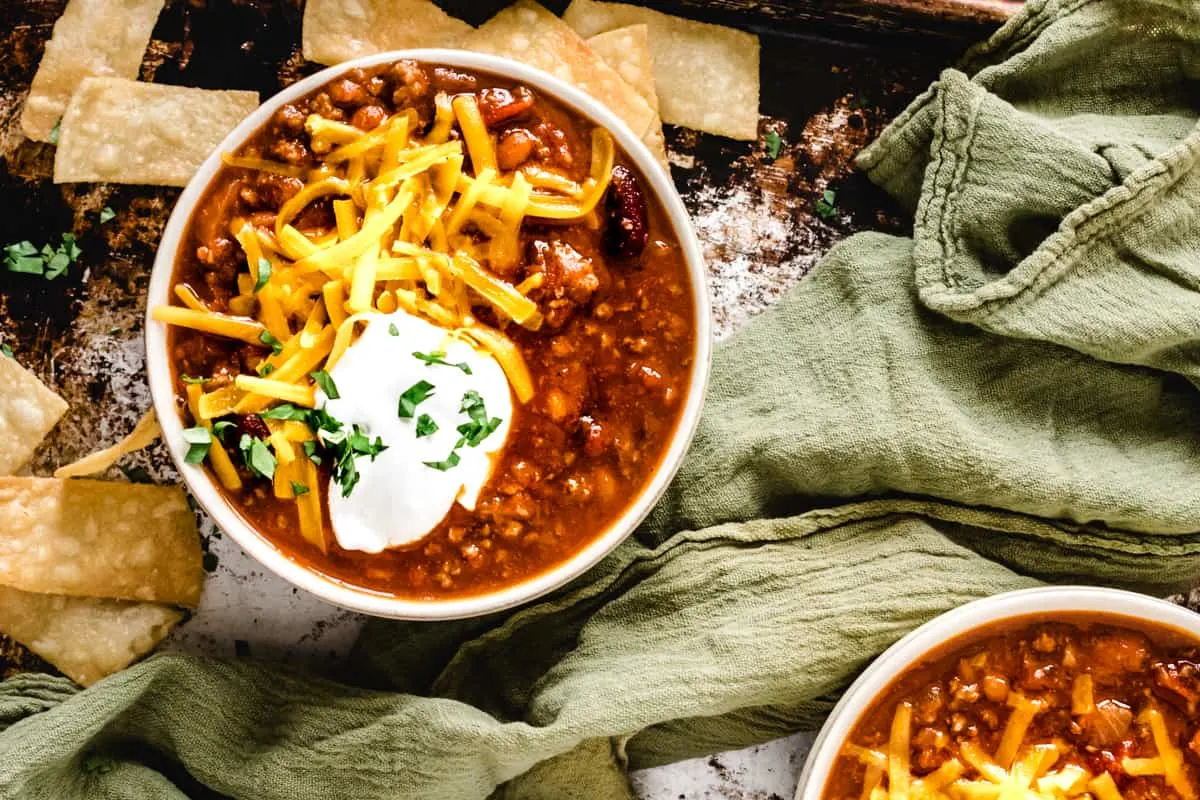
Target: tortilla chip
x,y
87,638
126,541
28,410
144,434
706,75
92,38
528,33
338,30
119,131
627,51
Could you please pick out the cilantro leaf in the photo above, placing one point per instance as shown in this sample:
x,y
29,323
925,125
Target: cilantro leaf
x,y
439,357
774,144
265,369
299,489
199,440
441,466
310,450
326,383
6,350
53,137
220,426
413,396
257,456
107,215
426,426
392,329
286,411
826,207
267,338
264,274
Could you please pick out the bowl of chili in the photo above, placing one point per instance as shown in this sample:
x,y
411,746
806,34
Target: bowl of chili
x,y
429,335
1041,694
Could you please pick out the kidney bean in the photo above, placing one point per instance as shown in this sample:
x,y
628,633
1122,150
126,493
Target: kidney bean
x,y
253,425
625,208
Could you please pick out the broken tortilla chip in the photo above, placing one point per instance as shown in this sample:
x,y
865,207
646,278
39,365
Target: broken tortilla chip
x,y
626,51
92,38
28,410
86,638
143,435
528,33
706,75
120,131
127,541
339,30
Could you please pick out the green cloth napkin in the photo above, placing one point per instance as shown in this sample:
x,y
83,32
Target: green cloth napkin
x,y
1014,387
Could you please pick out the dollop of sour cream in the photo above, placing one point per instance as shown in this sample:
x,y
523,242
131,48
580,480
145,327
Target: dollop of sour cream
x,y
400,498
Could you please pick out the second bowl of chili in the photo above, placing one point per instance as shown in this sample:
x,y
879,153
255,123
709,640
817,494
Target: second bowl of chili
x,y
429,334
1062,693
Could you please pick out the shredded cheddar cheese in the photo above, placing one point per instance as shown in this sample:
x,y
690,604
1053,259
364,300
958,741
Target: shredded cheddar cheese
x,y
1019,770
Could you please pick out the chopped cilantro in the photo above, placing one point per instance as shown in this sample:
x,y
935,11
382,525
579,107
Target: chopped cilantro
x,y
286,411
53,137
345,471
220,426
441,466
480,427
326,383
191,379
310,450
826,207
257,456
107,215
392,329
267,338
23,257
6,350
439,357
198,439
265,369
774,144
299,489
413,396
426,426
264,274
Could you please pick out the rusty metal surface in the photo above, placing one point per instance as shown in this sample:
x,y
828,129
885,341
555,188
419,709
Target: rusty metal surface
x,y
833,74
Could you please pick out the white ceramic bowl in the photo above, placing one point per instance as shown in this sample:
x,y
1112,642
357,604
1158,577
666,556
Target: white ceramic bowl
x,y
1045,603
201,484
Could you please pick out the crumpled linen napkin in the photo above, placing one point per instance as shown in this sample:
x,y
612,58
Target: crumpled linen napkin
x,y
1008,397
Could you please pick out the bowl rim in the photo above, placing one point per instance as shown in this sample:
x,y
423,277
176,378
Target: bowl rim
x,y
202,486
1047,601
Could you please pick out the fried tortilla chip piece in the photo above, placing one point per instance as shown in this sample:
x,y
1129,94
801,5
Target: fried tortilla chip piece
x,y
119,131
87,638
28,410
127,541
706,75
627,51
528,33
93,38
338,30
143,435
